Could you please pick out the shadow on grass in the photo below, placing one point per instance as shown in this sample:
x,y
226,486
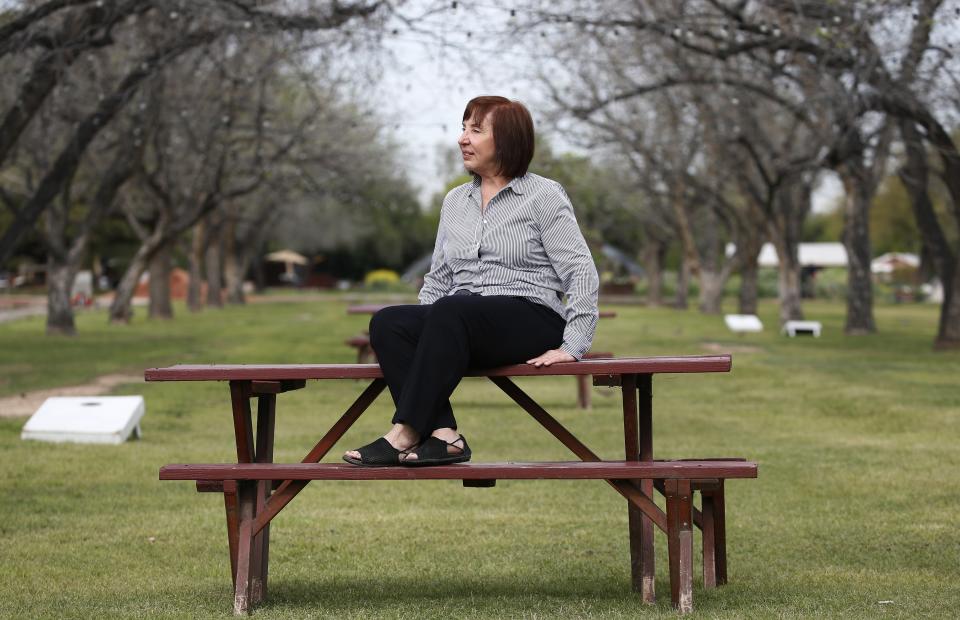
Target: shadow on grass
x,y
346,592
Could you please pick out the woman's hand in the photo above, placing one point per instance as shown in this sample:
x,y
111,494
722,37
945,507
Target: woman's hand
x,y
551,356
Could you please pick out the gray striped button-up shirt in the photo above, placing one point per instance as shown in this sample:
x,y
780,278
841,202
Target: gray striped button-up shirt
x,y
526,243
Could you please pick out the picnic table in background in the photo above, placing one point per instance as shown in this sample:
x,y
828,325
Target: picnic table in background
x,y
366,354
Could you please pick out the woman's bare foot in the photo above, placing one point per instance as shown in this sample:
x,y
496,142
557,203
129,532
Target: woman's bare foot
x,y
448,435
401,437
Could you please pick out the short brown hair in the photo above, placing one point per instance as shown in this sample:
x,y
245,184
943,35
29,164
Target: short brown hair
x,y
512,131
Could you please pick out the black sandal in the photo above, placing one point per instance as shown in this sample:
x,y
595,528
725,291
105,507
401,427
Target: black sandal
x,y
378,453
435,451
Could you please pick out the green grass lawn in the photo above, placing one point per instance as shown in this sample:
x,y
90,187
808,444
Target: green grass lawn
x,y
854,513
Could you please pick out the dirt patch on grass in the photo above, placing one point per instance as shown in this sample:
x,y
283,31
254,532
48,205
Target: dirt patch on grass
x,y
26,403
719,347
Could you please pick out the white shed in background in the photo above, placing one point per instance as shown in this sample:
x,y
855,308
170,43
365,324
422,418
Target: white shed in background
x,y
810,254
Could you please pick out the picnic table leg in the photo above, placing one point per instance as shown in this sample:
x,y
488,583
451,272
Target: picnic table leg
x,y
631,441
709,540
583,391
243,434
242,423
233,524
289,489
644,385
718,510
680,543
242,593
266,414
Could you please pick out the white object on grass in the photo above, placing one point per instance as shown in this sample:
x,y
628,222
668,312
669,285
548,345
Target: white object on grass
x,y
792,328
94,419
743,323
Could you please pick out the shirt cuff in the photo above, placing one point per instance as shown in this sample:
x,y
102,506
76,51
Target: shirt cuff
x,y
574,351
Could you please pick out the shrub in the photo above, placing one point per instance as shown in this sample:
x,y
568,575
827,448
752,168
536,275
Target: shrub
x,y
381,279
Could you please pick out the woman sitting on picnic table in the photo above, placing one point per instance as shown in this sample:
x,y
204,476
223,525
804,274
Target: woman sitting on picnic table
x,y
508,248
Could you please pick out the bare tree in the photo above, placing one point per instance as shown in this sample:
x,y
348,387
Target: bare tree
x,y
785,53
207,21
132,42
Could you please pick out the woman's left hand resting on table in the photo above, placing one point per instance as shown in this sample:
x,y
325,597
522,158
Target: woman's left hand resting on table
x,y
551,356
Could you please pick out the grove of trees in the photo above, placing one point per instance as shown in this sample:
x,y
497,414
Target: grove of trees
x,y
728,111
205,128
200,124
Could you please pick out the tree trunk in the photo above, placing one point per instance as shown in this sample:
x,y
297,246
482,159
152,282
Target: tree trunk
x,y
212,260
64,257
234,267
236,258
194,289
159,266
681,300
948,336
856,240
791,208
915,176
789,285
711,291
788,280
747,297
60,273
654,253
60,320
749,271
259,276
121,309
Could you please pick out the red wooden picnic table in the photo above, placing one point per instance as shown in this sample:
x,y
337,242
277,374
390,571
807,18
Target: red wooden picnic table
x,y
255,489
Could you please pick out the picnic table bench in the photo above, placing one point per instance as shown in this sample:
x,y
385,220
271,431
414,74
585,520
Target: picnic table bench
x,y
255,489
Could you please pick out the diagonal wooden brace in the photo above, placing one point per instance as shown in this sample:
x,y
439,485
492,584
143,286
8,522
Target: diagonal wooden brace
x,y
625,487
289,488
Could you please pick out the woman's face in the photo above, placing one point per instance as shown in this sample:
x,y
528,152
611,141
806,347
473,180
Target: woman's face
x,y
477,147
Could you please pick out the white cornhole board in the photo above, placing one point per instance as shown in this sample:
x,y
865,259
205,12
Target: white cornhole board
x,y
792,328
743,323
93,419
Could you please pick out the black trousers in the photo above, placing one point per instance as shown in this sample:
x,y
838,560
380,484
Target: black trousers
x,y
425,350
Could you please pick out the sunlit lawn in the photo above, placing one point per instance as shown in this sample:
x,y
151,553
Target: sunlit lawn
x,y
854,513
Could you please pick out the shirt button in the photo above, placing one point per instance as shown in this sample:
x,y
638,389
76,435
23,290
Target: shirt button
x,y
484,221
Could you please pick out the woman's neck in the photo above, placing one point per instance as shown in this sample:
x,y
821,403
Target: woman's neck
x,y
493,183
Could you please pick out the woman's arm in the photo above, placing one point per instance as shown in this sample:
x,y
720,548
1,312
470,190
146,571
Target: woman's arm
x,y
437,281
571,259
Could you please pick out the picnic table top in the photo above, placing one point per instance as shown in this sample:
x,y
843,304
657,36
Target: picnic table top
x,y
281,372
373,308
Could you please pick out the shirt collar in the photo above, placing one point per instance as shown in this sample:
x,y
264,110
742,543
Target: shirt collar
x,y
518,184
